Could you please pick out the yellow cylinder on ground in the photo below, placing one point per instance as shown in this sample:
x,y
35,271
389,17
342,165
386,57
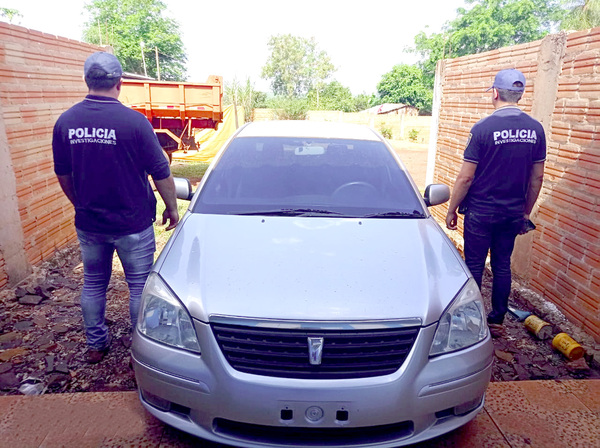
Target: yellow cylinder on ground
x,y
538,327
568,346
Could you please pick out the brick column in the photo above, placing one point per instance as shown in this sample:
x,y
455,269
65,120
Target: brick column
x,y
12,244
550,55
435,121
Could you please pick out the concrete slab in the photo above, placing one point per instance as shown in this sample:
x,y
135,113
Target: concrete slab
x,y
517,414
543,414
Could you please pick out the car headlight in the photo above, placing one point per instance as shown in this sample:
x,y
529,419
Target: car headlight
x,y
163,318
463,323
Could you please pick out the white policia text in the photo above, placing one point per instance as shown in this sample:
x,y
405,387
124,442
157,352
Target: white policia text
x,y
515,136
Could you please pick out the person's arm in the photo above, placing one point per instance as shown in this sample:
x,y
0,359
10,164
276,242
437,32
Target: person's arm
x,y
460,190
66,183
535,186
166,189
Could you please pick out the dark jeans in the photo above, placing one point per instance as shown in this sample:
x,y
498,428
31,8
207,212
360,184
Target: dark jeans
x,y
136,252
496,234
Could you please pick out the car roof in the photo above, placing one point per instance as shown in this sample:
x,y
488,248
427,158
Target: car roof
x,y
308,129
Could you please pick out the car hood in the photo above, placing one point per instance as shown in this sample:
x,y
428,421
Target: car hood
x,y
300,268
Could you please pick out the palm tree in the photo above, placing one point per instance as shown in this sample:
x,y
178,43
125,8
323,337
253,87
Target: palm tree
x,y
584,14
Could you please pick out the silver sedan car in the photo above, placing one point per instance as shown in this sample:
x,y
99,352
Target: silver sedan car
x,y
309,299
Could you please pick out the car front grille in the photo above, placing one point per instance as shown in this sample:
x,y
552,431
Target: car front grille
x,y
284,353
302,436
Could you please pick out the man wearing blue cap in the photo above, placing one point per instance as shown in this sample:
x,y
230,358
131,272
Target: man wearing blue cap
x,y
497,186
103,154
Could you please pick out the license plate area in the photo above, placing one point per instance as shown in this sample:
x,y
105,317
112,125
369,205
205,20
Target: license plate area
x,y
310,413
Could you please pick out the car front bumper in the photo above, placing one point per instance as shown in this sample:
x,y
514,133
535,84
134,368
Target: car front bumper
x,y
204,396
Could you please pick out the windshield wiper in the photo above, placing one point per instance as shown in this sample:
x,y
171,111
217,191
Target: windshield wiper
x,y
315,212
396,214
287,212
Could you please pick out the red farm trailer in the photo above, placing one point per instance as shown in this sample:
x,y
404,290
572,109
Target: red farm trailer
x,y
176,109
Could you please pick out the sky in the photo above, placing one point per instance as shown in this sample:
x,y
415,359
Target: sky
x,y
364,39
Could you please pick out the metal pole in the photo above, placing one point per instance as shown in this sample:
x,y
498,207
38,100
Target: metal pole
x,y
157,65
235,106
99,32
143,59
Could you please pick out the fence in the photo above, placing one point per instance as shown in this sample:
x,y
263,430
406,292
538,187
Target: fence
x,y
401,126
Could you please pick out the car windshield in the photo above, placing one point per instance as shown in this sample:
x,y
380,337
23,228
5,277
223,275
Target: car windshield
x,y
308,177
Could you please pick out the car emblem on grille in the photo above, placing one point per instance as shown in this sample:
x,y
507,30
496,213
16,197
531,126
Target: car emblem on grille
x,y
315,351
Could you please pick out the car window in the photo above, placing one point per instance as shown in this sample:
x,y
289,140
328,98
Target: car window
x,y
308,177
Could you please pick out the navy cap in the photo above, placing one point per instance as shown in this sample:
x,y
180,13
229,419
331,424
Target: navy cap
x,y
105,62
506,79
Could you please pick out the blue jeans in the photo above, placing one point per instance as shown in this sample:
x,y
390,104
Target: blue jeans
x,y
136,252
494,233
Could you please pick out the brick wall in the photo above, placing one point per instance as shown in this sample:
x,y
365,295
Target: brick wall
x,y
561,260
40,77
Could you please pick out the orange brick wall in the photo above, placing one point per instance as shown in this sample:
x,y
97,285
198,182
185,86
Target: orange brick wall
x,y
566,256
3,275
564,261
40,77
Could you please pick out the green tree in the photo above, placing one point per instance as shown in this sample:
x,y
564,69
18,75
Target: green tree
x,y
364,101
10,14
333,96
136,27
296,65
583,14
488,25
244,94
405,84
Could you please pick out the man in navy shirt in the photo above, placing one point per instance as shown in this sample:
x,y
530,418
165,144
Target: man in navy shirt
x,y
497,186
103,154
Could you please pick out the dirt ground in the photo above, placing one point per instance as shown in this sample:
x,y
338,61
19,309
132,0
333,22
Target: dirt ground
x,y
414,157
42,343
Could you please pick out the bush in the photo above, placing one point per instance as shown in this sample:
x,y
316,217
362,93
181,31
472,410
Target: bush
x,y
413,135
289,108
385,131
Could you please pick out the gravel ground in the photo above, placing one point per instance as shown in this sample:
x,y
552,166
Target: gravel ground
x,y
42,343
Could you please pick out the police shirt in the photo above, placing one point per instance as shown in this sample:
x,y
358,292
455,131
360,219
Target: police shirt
x,y
109,150
504,145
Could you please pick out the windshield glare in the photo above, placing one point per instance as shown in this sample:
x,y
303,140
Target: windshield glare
x,y
308,177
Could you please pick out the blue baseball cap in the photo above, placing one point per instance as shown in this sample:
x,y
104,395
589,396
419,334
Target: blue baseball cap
x,y
103,61
507,78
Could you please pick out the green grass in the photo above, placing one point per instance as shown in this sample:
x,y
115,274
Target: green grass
x,y
189,170
162,236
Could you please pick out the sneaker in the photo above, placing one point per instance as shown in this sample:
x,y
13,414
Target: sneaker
x,y
496,330
94,356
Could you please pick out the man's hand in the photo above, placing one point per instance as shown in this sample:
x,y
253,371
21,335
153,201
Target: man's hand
x,y
166,189
172,216
461,188
452,220
527,226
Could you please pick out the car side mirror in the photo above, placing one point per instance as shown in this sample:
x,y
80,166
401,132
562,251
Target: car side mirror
x,y
436,194
183,188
